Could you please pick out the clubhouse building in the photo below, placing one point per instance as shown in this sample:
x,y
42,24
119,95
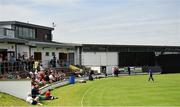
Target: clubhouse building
x,y
19,39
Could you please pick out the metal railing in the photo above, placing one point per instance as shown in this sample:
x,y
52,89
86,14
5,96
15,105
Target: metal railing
x,y
21,69
8,66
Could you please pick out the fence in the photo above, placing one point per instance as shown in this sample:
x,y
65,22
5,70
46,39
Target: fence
x,y
16,66
8,66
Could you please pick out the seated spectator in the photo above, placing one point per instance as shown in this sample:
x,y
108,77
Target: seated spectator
x,y
32,101
41,74
49,96
46,78
41,82
35,91
51,77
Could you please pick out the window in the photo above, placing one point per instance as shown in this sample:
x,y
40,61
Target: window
x,y
47,53
16,31
2,31
33,34
46,37
30,33
53,53
20,32
24,32
10,33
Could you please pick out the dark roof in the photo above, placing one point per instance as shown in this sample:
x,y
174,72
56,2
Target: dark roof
x,y
128,48
116,45
24,24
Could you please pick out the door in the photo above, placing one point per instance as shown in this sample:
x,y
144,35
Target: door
x,y
37,56
63,59
71,58
3,54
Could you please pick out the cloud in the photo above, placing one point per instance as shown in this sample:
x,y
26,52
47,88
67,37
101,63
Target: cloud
x,y
54,2
101,21
124,26
39,1
14,12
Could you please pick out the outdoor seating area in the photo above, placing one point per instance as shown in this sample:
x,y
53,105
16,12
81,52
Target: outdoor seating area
x,y
27,68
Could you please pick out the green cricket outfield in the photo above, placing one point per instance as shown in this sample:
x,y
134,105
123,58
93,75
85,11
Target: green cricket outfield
x,y
114,91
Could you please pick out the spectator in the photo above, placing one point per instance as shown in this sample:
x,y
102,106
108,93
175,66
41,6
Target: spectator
x,y
116,71
46,78
54,62
51,77
35,91
31,63
38,67
49,96
32,101
90,75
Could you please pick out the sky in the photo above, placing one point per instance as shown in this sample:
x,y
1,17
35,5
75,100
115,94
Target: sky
x,y
123,22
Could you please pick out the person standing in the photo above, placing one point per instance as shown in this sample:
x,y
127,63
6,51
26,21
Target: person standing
x,y
150,75
54,61
129,70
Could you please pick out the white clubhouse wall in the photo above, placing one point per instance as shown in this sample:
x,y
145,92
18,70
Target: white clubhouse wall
x,y
23,49
46,59
9,47
18,88
99,58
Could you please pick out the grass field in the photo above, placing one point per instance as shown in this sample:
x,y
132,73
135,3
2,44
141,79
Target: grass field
x,y
7,100
117,91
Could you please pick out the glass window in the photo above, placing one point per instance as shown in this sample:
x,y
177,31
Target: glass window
x,y
47,53
33,34
30,33
16,31
10,33
24,32
27,32
2,32
46,37
53,53
20,32
25,35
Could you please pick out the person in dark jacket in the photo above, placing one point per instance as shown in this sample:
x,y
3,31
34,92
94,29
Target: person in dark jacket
x,y
129,70
150,75
35,91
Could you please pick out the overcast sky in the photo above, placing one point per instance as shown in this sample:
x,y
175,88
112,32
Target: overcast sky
x,y
128,22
